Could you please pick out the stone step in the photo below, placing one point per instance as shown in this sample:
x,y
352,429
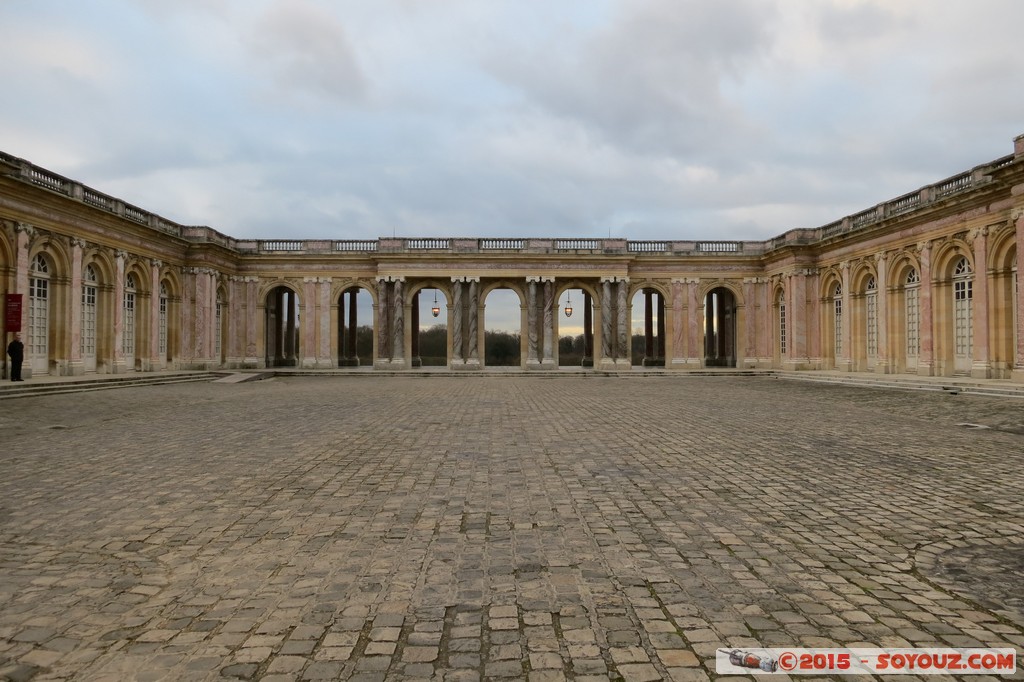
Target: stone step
x,y
28,389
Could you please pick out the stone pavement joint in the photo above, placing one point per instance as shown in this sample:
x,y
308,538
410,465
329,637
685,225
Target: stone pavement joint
x,y
318,528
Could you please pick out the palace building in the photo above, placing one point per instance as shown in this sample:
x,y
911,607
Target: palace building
x,y
927,283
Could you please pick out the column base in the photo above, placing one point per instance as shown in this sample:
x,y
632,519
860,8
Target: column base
x,y
981,370
76,368
465,366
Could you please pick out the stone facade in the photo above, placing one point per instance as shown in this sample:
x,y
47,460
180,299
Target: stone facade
x,y
926,284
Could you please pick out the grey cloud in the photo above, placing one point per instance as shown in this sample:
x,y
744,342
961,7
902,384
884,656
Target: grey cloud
x,y
652,79
307,50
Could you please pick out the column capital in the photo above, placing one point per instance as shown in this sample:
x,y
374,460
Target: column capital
x,y
614,279
880,257
156,262
26,228
844,265
389,278
921,247
1017,214
121,253
978,233
78,243
546,278
531,279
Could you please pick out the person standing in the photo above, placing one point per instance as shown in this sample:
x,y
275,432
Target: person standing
x,y
16,349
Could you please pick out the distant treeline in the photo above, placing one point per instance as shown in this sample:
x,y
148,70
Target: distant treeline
x,y
501,349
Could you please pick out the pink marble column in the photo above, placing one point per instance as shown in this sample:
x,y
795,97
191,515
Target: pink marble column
x,y
844,362
119,362
695,321
765,327
75,303
926,356
324,352
24,235
309,322
981,368
796,311
156,362
678,350
232,309
749,322
186,324
201,328
813,317
1020,291
251,309
882,298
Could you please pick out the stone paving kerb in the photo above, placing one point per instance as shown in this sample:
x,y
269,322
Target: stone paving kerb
x,y
583,528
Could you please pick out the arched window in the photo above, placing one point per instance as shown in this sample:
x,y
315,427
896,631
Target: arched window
x,y
90,282
912,310
871,300
162,322
782,324
39,313
128,336
218,327
963,295
837,319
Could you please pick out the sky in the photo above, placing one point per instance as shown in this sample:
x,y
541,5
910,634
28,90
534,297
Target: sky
x,y
643,119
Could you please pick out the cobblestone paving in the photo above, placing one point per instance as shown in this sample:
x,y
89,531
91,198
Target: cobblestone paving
x,y
484,528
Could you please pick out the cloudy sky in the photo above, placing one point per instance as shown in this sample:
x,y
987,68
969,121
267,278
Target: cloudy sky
x,y
647,119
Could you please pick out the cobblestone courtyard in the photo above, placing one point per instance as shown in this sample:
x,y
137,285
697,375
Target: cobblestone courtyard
x,y
482,527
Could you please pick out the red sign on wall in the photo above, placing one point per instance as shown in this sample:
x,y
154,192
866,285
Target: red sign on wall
x,y
12,322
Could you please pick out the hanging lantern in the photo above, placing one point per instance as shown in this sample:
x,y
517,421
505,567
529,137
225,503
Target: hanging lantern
x,y
436,310
568,305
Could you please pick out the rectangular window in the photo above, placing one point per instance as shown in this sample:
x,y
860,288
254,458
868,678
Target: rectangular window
x,y
782,328
838,327
913,322
162,330
872,322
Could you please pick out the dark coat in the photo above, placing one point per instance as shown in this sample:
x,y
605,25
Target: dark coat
x,y
16,349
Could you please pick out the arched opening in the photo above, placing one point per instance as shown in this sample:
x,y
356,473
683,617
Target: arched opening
x,y
90,315
1003,319
430,328
220,343
833,328
282,327
647,343
37,342
720,328
909,341
355,342
575,325
963,316
781,345
865,324
502,313
163,308
129,302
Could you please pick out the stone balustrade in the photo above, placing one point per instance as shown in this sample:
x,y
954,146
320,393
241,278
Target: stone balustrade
x,y
898,207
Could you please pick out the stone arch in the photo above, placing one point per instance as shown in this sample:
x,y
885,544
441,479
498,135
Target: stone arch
x,y
48,337
863,303
281,307
417,357
705,287
654,294
953,307
781,327
167,299
1003,277
590,314
519,288
903,297
831,317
